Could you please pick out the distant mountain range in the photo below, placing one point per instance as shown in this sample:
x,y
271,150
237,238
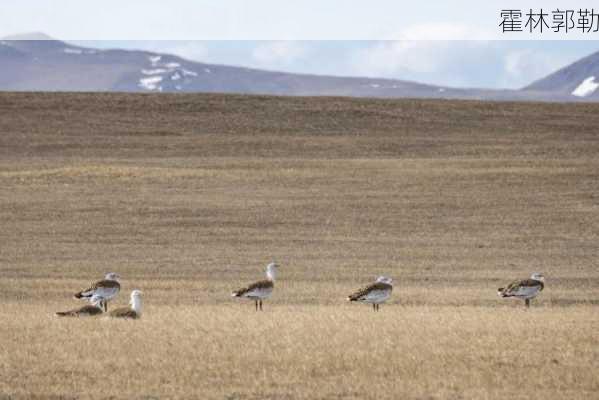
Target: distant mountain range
x,y
40,63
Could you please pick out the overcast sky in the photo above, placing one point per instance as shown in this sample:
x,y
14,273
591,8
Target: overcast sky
x,y
441,42
273,19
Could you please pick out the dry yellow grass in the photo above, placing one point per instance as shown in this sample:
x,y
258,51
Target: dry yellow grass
x,y
304,352
188,197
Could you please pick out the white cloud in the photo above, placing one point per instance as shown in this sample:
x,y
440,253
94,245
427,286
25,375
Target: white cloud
x,y
418,52
455,61
529,64
406,59
394,57
278,54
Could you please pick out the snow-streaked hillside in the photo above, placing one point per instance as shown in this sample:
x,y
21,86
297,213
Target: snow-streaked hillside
x,y
577,80
43,64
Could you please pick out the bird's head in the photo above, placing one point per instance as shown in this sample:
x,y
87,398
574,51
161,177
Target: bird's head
x,y
384,279
271,270
537,276
136,294
112,276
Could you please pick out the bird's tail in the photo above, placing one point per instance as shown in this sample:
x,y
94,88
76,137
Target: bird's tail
x,y
83,295
351,298
235,294
502,293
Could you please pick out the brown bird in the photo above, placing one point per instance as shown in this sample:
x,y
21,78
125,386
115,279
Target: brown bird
x,y
107,289
260,290
376,293
89,310
134,310
526,289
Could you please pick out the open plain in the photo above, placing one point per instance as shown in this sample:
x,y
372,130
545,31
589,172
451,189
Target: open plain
x,y
190,196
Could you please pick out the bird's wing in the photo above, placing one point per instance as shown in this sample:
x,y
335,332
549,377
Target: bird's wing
x,y
532,283
104,288
260,285
521,288
365,291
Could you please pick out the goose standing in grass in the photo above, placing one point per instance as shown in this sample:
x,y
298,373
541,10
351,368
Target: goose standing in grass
x,y
95,308
260,290
107,289
375,294
526,289
133,311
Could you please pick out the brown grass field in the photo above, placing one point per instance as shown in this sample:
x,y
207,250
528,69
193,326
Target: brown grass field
x,y
190,196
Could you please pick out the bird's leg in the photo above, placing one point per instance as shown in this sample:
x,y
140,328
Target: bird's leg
x,y
260,305
377,307
256,301
105,305
527,302
374,306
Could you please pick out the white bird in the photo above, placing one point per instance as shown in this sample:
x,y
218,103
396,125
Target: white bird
x,y
375,294
134,310
88,310
526,289
107,289
260,290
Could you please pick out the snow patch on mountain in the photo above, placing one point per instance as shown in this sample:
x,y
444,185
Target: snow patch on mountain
x,y
586,88
161,72
71,50
187,72
151,83
153,71
68,50
154,60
